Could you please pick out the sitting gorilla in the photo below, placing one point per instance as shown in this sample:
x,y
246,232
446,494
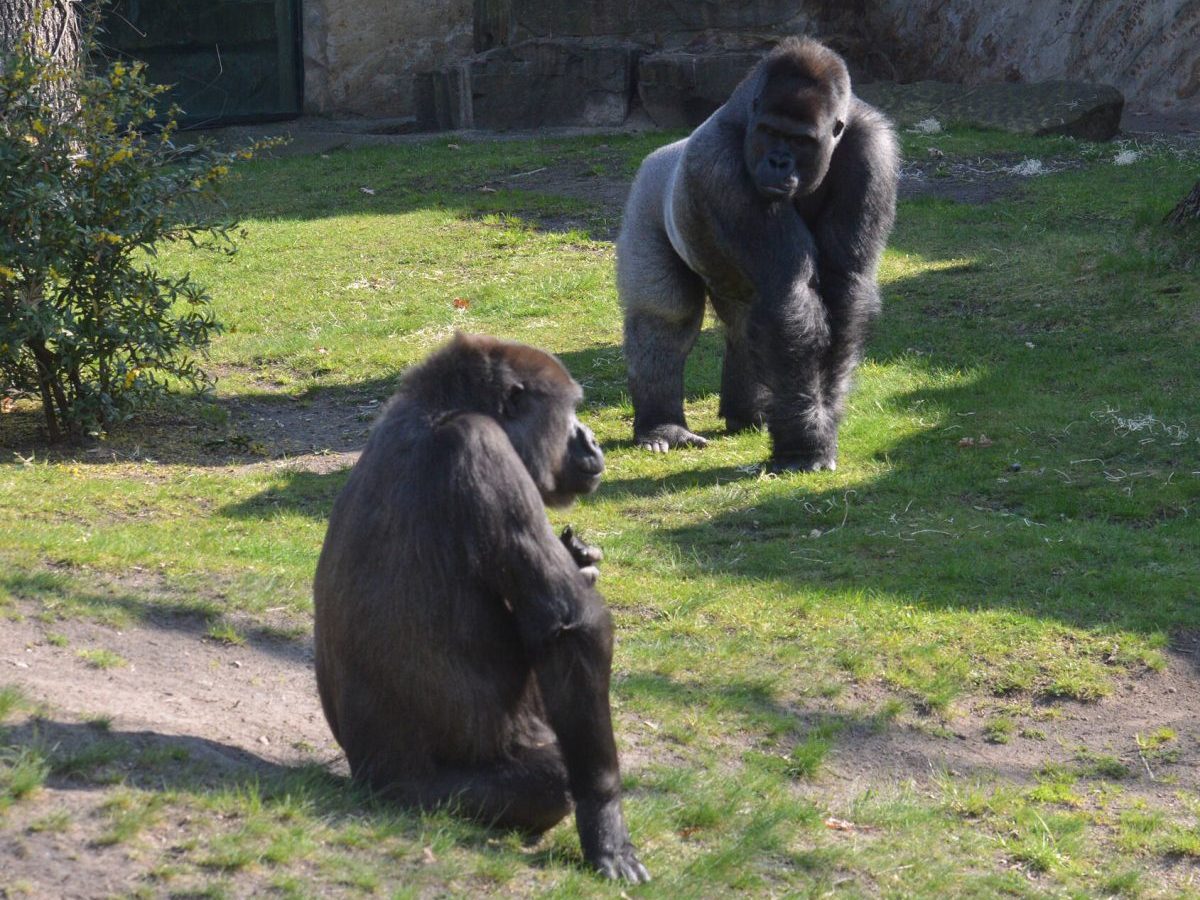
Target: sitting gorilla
x,y
462,654
778,207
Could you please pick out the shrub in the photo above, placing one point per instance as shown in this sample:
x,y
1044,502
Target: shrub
x,y
90,184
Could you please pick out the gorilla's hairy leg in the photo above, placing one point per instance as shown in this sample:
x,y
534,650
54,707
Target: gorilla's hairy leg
x,y
656,349
744,398
528,790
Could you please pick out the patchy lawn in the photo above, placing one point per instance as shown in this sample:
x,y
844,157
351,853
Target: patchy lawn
x,y
963,664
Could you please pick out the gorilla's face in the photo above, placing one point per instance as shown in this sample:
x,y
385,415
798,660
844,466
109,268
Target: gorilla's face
x,y
789,141
538,414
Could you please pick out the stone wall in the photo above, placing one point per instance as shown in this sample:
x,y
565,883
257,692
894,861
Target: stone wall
x,y
1149,49
518,63
361,57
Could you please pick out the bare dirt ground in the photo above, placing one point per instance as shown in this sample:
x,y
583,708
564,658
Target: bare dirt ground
x,y
237,711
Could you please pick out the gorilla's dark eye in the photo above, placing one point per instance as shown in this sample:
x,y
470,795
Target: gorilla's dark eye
x,y
838,126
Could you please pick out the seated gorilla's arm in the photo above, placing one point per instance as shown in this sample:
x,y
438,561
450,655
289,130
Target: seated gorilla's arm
x,y
564,627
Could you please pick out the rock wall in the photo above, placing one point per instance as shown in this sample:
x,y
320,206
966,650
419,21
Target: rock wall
x,y
364,57
1149,49
361,57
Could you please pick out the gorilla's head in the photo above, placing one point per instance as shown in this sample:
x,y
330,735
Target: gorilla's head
x,y
529,394
796,118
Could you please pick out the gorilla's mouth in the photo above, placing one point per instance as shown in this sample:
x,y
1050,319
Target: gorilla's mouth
x,y
779,191
589,483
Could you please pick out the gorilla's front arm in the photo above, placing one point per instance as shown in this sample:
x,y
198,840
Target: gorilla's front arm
x,y
567,634
851,228
764,274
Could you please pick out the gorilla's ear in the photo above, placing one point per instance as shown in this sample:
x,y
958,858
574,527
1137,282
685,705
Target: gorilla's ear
x,y
509,407
838,127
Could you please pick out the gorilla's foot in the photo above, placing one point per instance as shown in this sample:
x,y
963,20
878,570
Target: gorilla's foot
x,y
662,438
735,424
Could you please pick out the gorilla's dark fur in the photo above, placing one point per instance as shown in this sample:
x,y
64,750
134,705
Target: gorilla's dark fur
x,y
778,207
462,658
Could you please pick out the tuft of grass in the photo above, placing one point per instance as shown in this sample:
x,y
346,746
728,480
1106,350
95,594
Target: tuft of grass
x,y
226,633
52,823
809,754
11,700
100,658
96,761
999,730
22,771
128,813
1101,765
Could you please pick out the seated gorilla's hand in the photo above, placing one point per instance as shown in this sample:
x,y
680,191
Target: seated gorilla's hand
x,y
585,555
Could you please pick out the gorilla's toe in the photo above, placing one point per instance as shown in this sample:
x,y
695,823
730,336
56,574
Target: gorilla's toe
x,y
662,438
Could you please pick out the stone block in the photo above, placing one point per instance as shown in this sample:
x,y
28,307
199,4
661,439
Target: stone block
x,y
531,84
681,90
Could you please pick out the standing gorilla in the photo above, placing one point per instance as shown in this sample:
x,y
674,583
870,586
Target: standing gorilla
x,y
778,206
462,656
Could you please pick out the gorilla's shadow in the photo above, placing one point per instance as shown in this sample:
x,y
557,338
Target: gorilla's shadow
x,y
79,753
150,609
84,758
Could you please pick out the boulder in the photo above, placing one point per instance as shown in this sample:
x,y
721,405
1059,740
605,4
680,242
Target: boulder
x,y
1077,109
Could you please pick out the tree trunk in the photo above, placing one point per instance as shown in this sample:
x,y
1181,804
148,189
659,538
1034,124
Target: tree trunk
x,y
1188,209
56,33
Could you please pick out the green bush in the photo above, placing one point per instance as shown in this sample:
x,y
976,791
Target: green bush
x,y
90,183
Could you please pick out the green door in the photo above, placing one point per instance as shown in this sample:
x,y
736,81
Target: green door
x,y
226,60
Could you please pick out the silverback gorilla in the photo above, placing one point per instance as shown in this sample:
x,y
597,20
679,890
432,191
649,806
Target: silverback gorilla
x,y
462,656
778,207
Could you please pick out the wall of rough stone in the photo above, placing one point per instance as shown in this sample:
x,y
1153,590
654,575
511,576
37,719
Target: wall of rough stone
x,y
1149,49
361,56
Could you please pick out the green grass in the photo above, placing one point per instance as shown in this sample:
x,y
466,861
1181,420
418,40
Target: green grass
x,y
99,658
766,626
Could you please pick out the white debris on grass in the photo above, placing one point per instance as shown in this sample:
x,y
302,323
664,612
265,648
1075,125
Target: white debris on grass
x,y
1027,168
1126,158
927,126
1142,423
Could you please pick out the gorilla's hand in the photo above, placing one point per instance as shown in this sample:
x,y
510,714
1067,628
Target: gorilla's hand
x,y
585,555
662,438
605,841
812,460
